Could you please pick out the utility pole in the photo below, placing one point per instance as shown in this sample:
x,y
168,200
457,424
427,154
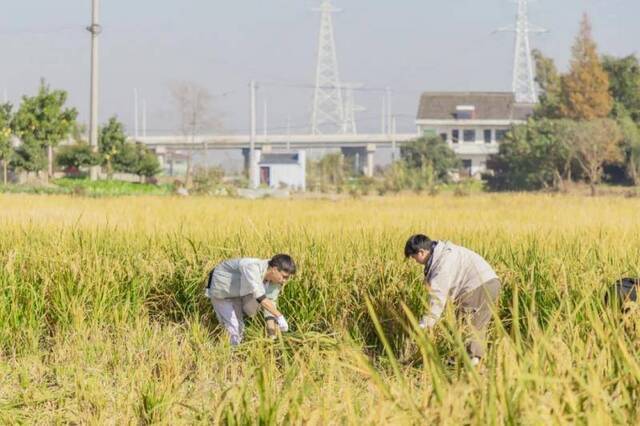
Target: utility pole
x,y
264,119
252,140
383,116
288,132
144,118
95,30
135,114
350,109
393,139
388,92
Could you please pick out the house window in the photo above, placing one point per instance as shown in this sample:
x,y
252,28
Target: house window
x,y
455,136
500,135
487,136
427,133
465,112
469,135
443,136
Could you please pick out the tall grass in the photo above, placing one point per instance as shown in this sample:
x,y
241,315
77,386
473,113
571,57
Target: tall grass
x,y
102,318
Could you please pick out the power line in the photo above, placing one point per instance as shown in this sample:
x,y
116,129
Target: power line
x,y
27,31
224,94
301,126
309,86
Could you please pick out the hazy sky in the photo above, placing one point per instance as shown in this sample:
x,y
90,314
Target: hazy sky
x,y
409,45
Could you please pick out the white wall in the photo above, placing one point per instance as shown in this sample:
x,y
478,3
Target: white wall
x,y
292,175
478,151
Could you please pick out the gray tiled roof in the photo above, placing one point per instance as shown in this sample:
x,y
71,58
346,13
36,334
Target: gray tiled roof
x,y
488,105
279,158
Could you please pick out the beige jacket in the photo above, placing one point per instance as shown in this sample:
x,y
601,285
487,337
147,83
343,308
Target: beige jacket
x,y
452,272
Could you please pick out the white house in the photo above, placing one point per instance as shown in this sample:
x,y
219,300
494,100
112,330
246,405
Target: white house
x,y
472,123
281,169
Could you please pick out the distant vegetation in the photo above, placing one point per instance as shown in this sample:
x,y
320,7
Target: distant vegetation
x,y
31,138
86,187
585,128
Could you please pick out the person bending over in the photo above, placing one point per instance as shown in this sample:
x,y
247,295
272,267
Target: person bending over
x,y
239,287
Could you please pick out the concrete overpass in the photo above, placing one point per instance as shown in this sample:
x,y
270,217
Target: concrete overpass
x,y
360,145
299,141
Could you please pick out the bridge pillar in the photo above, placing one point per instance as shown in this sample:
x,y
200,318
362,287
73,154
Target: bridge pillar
x,y
245,156
171,166
361,158
371,149
354,157
161,154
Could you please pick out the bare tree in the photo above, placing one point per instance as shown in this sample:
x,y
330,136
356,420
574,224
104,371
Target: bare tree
x,y
595,142
193,104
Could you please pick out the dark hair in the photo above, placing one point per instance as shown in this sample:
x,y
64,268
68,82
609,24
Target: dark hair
x,y
416,243
284,263
623,290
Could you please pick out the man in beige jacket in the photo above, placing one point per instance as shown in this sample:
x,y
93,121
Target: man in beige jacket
x,y
457,273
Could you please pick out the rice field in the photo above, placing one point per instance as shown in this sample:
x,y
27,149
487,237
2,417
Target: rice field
x,y
102,318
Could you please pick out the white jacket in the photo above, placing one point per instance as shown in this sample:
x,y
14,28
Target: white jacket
x,y
453,271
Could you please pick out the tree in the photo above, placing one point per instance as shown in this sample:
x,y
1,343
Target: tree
x,y
29,156
148,164
549,81
399,176
126,159
585,88
329,170
631,148
207,180
136,159
430,152
111,141
41,122
596,142
76,156
534,155
6,150
624,85
193,104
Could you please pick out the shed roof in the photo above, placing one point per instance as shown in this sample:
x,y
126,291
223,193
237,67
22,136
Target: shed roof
x,y
279,158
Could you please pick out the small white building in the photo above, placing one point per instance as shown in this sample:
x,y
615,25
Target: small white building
x,y
281,169
472,123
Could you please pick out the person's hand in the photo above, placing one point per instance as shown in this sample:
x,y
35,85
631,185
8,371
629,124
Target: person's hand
x,y
282,323
422,324
426,322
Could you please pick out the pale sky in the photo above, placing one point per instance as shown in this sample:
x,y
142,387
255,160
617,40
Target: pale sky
x,y
408,45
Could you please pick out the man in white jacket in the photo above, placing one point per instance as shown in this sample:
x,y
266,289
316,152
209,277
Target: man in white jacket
x,y
457,273
239,287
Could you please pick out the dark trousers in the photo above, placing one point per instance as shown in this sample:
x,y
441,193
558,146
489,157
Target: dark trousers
x,y
476,309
